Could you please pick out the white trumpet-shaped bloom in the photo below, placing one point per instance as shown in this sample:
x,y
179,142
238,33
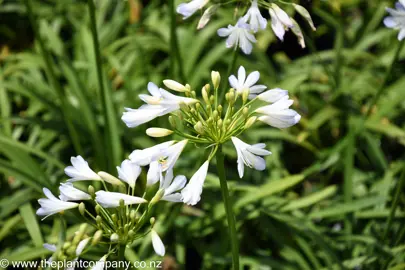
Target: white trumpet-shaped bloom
x,y
135,117
273,95
80,170
69,193
129,172
164,98
396,20
171,186
112,199
238,35
188,9
157,244
191,194
278,114
242,83
255,18
250,155
53,205
280,21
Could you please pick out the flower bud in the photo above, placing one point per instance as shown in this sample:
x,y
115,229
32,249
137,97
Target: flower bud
x,y
184,106
99,220
231,97
131,234
172,121
199,127
220,109
157,196
212,99
114,218
114,237
110,179
250,122
205,18
82,209
98,209
245,95
152,221
132,215
205,94
245,111
91,191
173,85
158,132
216,79
304,13
193,94
97,237
219,123
215,115
66,245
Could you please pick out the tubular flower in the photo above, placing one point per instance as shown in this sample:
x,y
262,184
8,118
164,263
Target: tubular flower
x,y
191,194
157,244
80,170
69,193
188,9
250,155
112,199
53,205
278,114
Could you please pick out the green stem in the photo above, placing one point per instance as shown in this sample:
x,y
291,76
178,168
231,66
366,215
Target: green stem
x,y
231,68
400,186
114,146
53,80
228,207
386,78
121,257
174,46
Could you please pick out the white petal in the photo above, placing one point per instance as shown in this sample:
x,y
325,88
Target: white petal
x,y
273,95
69,193
280,121
178,183
241,75
224,32
252,78
191,194
401,34
153,173
233,82
80,247
157,244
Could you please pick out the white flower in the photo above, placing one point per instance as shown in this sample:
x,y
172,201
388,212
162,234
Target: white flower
x,y
191,194
170,186
280,21
81,246
397,18
146,156
254,17
145,113
206,17
188,9
240,34
100,264
250,155
157,244
168,157
53,205
273,95
242,83
69,193
80,170
112,199
129,172
278,114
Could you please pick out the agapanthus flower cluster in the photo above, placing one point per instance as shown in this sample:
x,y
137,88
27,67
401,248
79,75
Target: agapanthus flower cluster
x,y
252,21
202,120
116,215
396,20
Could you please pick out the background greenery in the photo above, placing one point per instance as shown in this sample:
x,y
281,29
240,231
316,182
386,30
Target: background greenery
x,y
331,196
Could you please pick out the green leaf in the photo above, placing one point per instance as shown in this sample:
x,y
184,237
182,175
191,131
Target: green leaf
x,y
31,223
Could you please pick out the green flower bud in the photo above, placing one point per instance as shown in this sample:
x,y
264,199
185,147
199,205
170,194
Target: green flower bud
x,y
114,237
66,245
212,99
199,128
82,209
99,220
110,179
97,237
172,121
245,111
114,218
152,221
193,94
219,123
98,209
158,132
131,234
245,95
132,215
205,94
157,196
216,78
250,122
91,191
220,109
215,115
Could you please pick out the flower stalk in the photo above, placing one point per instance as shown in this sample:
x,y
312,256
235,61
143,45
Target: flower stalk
x,y
228,208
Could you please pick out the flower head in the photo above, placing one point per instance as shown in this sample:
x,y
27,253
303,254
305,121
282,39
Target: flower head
x,y
80,170
188,9
254,17
250,155
238,35
53,205
396,20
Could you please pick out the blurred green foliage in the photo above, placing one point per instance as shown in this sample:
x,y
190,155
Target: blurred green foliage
x,y
326,200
